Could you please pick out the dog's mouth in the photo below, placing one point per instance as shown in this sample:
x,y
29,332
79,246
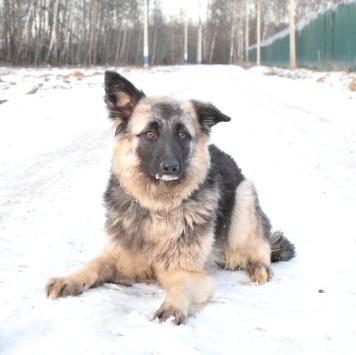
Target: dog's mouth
x,y
167,177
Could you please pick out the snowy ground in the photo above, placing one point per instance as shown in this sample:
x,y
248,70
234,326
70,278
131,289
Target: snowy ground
x,y
295,138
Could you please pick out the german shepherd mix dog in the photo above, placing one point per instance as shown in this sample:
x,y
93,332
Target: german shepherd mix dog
x,y
175,205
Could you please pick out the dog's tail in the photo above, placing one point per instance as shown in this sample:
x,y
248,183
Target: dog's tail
x,y
282,249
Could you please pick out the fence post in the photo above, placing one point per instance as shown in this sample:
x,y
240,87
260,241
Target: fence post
x,y
292,50
258,58
247,35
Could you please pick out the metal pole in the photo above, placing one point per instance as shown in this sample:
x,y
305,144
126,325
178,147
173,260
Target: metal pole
x,y
199,44
247,36
186,43
292,49
258,59
145,34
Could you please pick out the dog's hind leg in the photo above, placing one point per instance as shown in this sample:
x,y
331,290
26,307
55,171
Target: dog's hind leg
x,y
97,271
186,292
248,243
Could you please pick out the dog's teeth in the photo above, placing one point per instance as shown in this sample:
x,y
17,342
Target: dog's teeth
x,y
166,177
169,177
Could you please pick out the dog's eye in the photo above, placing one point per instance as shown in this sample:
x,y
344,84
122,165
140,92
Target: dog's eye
x,y
182,135
151,135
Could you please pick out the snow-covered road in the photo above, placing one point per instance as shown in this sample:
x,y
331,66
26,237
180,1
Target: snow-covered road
x,y
295,138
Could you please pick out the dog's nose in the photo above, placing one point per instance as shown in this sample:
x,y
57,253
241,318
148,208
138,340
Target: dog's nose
x,y
170,166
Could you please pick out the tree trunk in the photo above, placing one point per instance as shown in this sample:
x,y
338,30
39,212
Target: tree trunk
x,y
23,31
53,36
212,48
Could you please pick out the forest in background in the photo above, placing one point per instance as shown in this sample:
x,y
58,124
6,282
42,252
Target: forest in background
x,y
110,32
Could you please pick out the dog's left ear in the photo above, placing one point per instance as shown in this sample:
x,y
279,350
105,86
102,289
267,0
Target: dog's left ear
x,y
208,115
121,96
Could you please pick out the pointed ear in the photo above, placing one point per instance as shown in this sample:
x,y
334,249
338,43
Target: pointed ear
x,y
208,115
121,96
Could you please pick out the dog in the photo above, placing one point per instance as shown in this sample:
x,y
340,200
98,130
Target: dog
x,y
175,206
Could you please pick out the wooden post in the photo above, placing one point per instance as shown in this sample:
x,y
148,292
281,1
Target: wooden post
x,y
292,49
247,36
258,59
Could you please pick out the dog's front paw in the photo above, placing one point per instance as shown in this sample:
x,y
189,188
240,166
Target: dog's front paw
x,y
165,312
259,272
63,287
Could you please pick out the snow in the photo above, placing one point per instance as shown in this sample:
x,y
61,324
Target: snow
x,y
295,138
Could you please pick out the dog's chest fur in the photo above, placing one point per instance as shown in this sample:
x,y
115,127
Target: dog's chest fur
x,y
180,237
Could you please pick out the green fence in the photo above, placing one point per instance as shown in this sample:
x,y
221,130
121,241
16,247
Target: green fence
x,y
327,41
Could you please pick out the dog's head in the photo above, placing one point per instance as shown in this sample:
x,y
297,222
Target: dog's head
x,y
161,143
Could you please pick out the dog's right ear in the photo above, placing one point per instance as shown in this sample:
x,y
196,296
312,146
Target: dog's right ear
x,y
208,115
121,96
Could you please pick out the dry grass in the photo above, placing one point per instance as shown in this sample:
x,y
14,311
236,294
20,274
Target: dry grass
x,y
352,85
45,77
34,89
77,74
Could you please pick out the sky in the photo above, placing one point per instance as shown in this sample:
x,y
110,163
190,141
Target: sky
x,y
173,8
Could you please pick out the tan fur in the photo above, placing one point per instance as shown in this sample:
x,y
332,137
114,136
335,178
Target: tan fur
x,y
163,229
246,245
94,273
186,291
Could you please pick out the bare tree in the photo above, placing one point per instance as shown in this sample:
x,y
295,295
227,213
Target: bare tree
x,y
88,32
53,31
